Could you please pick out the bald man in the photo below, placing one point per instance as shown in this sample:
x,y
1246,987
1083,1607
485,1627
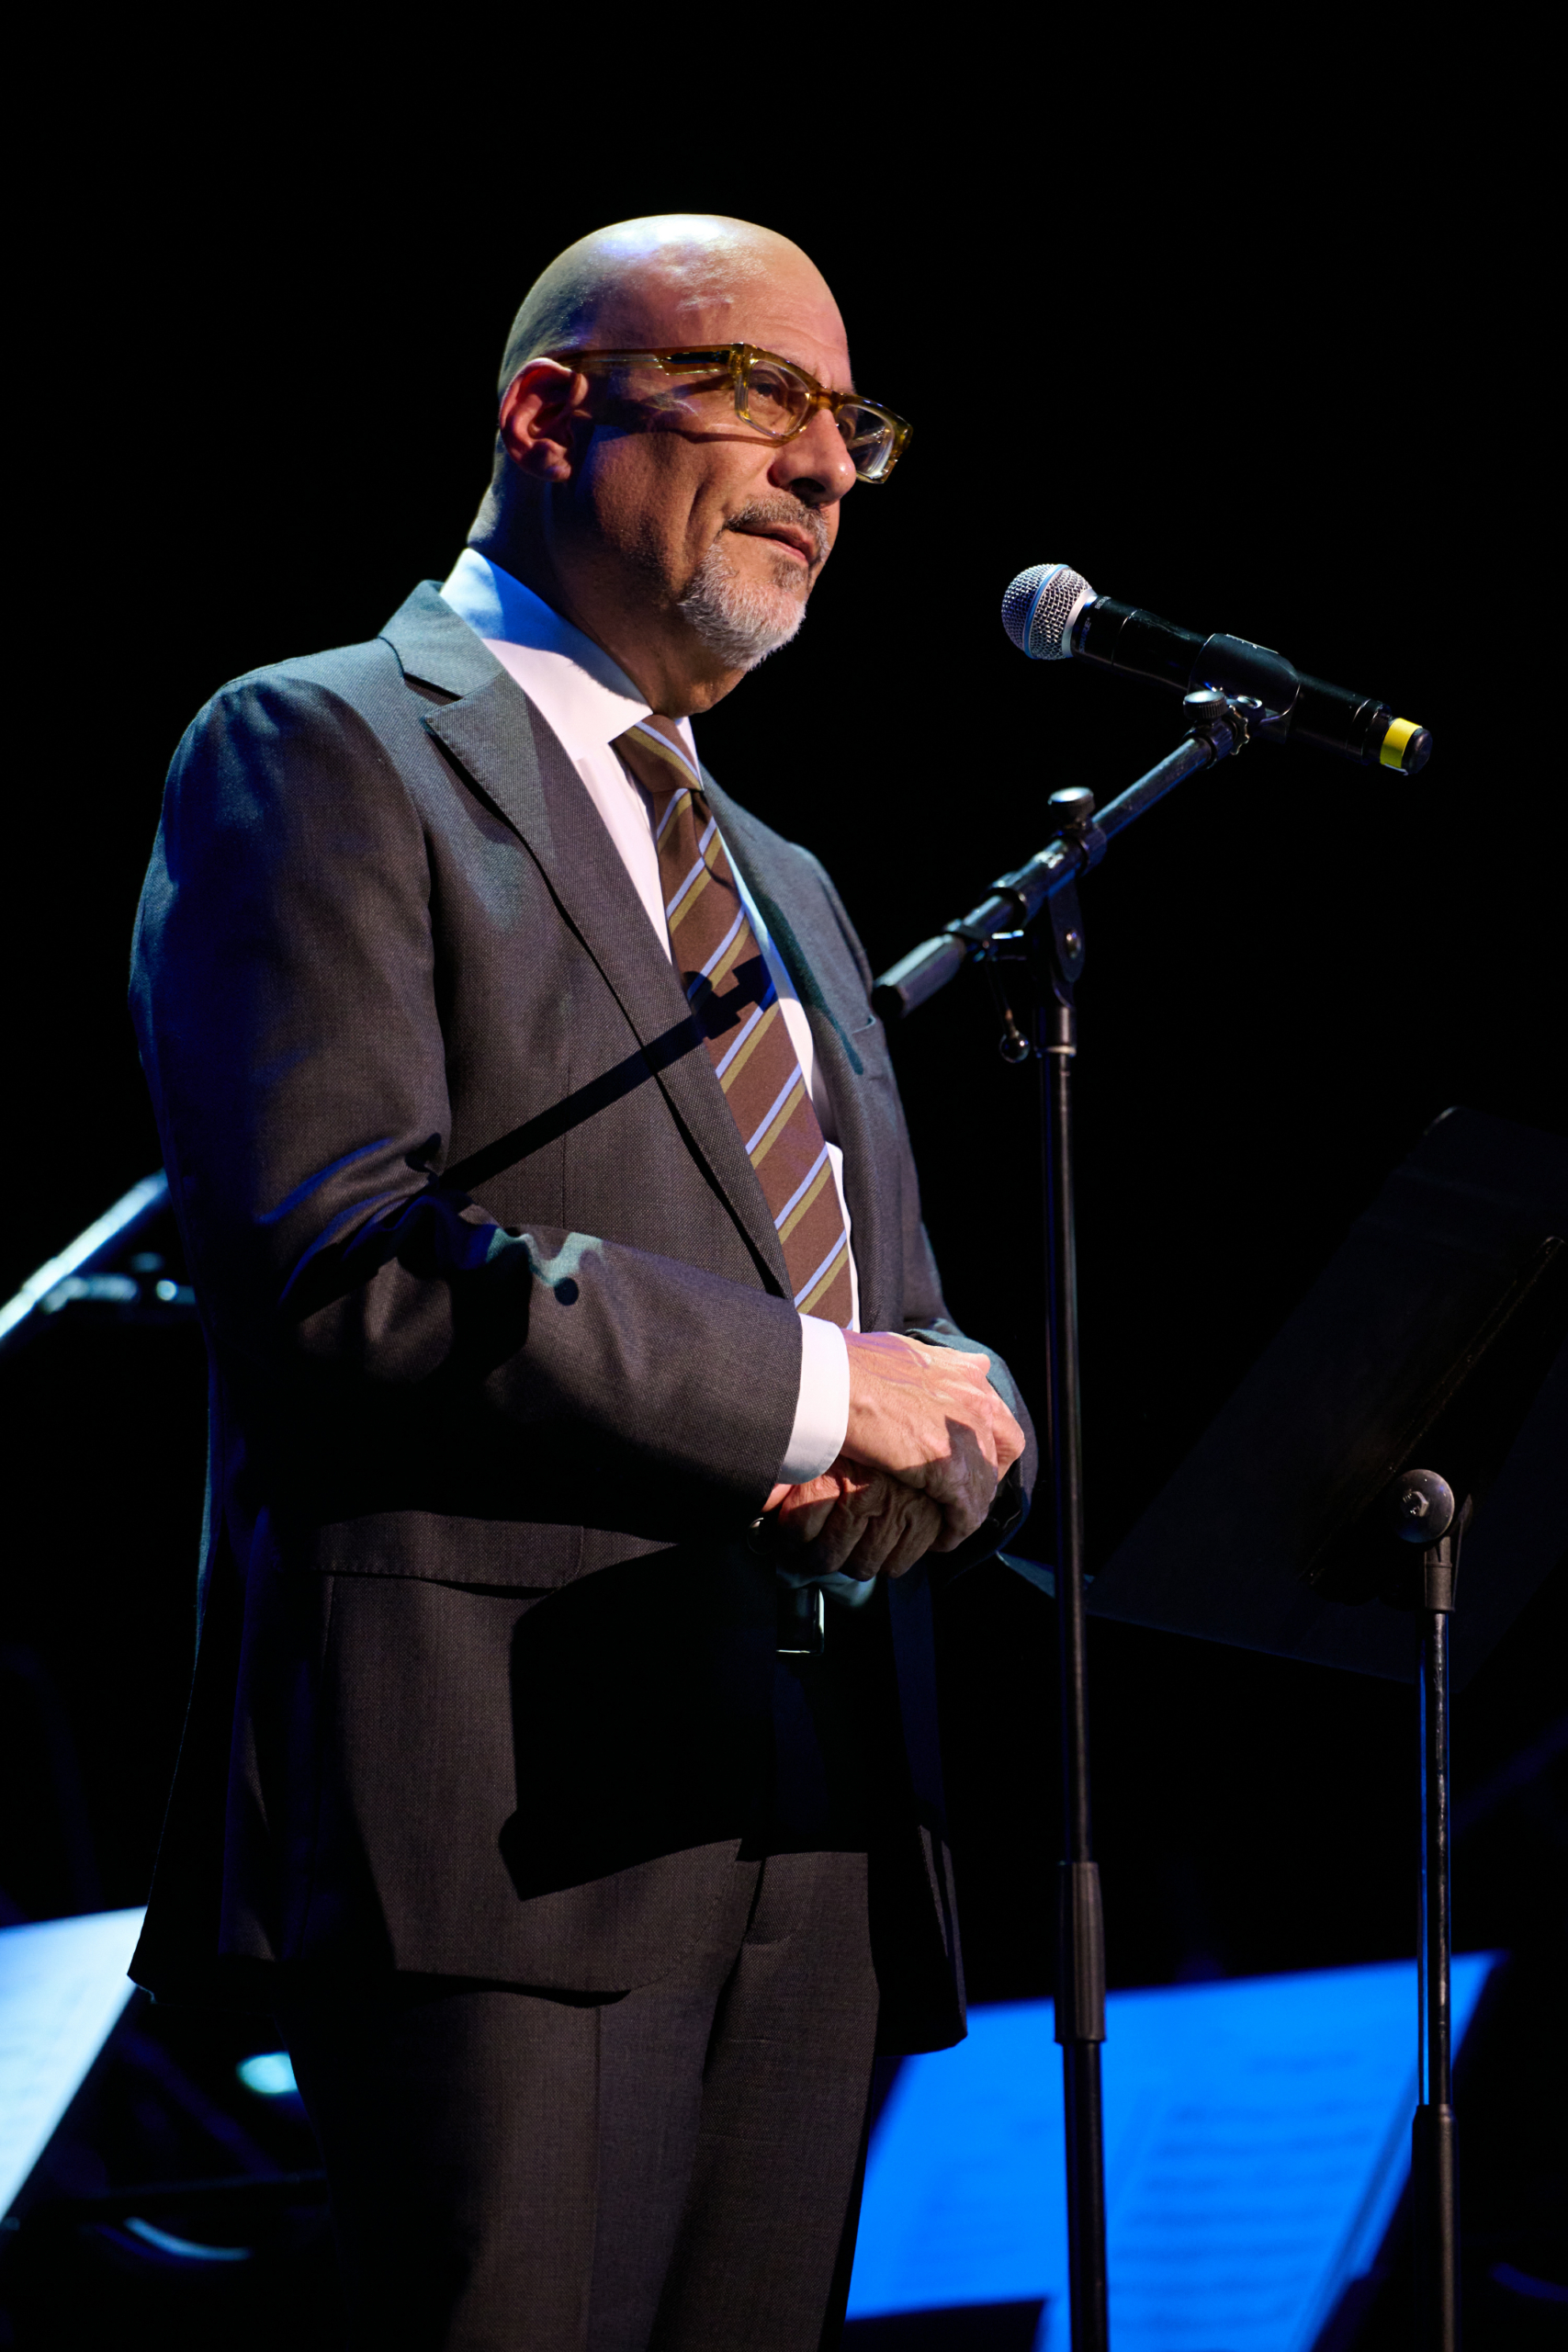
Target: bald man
x,y
588,1428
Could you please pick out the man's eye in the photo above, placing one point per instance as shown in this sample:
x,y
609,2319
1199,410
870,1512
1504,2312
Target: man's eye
x,y
773,398
771,384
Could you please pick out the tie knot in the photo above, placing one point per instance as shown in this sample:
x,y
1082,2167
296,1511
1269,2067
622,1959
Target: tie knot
x,y
656,757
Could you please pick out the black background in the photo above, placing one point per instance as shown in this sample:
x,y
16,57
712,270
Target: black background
x,y
1238,351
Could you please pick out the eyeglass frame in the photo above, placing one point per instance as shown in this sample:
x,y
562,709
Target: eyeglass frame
x,y
737,358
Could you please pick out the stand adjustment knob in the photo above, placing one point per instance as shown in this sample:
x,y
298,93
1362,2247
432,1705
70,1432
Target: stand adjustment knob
x,y
1422,1505
1073,807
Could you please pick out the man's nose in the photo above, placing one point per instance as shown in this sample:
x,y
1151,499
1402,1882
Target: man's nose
x,y
815,467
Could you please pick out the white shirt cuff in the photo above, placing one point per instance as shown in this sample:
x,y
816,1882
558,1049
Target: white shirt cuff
x,y
822,1407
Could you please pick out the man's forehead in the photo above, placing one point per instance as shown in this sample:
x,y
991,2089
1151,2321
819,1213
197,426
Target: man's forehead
x,y
662,303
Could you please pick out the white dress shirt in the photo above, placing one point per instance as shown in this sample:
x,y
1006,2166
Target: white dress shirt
x,y
587,700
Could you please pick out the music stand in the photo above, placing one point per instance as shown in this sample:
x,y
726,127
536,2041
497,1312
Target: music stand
x,y
1435,1341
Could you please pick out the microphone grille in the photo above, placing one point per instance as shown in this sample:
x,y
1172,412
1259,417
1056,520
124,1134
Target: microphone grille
x,y
1041,606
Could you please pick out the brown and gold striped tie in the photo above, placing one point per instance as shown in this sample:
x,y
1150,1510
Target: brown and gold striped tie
x,y
729,987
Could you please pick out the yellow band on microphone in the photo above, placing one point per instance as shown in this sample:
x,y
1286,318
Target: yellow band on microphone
x,y
1392,752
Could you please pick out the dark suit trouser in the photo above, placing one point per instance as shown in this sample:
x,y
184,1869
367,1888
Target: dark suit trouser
x,y
667,2171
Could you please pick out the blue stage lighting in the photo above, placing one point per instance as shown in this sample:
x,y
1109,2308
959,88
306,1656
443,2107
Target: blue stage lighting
x,y
270,2074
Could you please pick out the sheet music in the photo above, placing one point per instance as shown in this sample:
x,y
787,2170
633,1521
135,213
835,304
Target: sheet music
x,y
62,1989
1257,2141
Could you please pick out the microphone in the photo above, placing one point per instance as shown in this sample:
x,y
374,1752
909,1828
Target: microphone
x,y
1050,611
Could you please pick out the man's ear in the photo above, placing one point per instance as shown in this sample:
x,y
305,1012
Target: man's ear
x,y
541,420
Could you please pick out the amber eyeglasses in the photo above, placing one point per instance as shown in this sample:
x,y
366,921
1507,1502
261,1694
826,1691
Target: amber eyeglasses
x,y
772,395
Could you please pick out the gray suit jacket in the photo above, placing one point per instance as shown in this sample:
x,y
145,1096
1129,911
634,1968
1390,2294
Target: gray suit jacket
x,y
503,1360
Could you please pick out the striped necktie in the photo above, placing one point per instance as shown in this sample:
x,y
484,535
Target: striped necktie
x,y
730,991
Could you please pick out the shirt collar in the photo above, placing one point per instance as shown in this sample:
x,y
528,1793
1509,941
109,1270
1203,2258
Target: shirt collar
x,y
585,697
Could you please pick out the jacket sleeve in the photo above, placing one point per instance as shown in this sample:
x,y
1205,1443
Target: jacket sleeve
x,y
285,988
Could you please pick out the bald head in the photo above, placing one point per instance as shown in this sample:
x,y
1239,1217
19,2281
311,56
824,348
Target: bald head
x,y
674,278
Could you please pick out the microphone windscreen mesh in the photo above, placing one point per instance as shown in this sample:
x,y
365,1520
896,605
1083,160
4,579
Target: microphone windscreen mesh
x,y
1041,606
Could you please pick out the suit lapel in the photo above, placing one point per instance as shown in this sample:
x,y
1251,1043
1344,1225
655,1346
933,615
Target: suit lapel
x,y
813,959
501,743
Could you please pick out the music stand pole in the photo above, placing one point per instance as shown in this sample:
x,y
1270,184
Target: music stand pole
x,y
1425,1504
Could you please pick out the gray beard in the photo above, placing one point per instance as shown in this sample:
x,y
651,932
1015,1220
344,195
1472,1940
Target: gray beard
x,y
739,620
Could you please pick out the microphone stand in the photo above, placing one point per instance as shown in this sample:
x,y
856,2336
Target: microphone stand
x,y
1007,928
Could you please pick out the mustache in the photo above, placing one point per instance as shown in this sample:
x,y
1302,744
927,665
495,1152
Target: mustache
x,y
785,510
